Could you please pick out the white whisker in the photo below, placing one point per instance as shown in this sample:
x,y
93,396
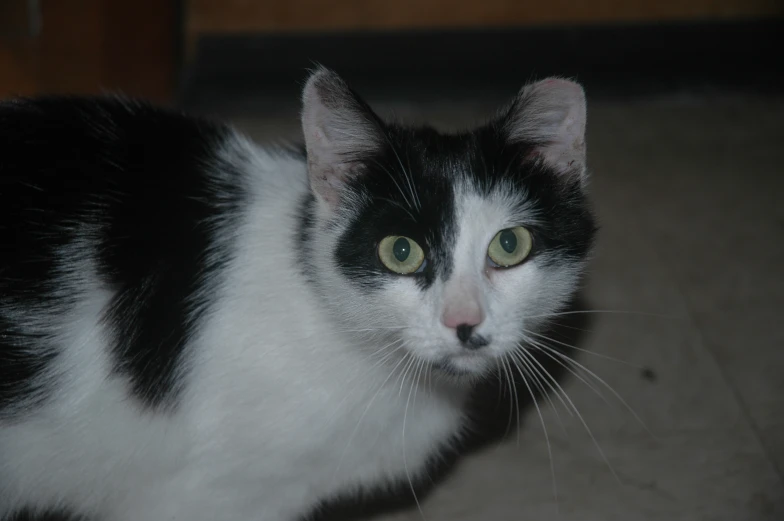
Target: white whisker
x,y
598,355
547,352
392,177
517,356
516,398
609,311
605,384
406,174
386,356
580,417
414,382
367,408
535,376
386,328
395,203
511,402
500,382
549,380
408,367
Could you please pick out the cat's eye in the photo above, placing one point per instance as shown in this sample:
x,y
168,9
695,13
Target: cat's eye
x,y
400,254
510,247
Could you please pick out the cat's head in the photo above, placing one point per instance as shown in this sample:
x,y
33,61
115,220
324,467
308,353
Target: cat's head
x,y
449,247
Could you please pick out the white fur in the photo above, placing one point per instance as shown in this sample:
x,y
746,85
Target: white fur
x,y
270,421
292,394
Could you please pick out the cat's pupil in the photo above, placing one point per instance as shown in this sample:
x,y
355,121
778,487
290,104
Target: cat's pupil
x,y
401,249
508,241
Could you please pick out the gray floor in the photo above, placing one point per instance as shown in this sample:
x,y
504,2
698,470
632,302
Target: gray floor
x,y
689,194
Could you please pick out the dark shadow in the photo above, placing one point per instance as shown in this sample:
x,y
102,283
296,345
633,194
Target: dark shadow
x,y
48,515
654,58
492,409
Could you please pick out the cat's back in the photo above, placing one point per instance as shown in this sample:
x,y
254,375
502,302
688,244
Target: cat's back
x,y
113,204
66,162
119,226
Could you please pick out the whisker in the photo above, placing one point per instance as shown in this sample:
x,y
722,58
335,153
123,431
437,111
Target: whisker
x,y
516,399
533,372
426,369
405,415
429,377
392,177
395,203
367,408
416,194
547,378
609,311
408,367
582,350
406,175
511,402
384,328
383,359
580,417
574,328
606,385
541,420
500,382
547,352
388,354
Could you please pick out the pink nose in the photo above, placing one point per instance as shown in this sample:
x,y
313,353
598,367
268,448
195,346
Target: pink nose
x,y
470,317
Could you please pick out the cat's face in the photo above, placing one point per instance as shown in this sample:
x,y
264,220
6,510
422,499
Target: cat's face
x,y
450,248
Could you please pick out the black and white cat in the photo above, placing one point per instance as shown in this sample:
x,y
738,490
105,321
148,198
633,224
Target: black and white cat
x,y
193,327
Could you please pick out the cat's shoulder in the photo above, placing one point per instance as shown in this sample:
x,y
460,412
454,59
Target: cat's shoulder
x,y
68,121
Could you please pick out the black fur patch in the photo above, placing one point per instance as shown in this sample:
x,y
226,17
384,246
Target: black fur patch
x,y
566,230
46,515
22,364
409,188
133,186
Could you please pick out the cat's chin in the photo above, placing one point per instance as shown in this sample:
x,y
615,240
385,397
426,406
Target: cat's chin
x,y
463,368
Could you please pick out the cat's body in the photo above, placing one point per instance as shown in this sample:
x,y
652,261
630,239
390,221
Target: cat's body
x,y
196,328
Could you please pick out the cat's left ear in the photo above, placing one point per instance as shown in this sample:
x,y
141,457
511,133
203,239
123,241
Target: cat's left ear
x,y
549,116
340,131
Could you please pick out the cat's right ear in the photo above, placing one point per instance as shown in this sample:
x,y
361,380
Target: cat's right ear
x,y
549,116
340,130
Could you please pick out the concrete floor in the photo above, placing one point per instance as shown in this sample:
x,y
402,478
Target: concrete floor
x,y
688,191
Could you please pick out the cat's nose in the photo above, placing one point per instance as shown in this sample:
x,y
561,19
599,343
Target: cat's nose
x,y
463,321
470,316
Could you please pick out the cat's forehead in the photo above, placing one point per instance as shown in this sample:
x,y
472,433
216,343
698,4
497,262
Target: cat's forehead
x,y
437,197
441,148
425,180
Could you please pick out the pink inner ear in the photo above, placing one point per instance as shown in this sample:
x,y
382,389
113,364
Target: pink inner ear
x,y
552,112
532,155
334,126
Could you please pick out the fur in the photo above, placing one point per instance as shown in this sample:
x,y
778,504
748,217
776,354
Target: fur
x,y
196,327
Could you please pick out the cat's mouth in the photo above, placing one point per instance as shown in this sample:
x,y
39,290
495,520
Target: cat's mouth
x,y
463,365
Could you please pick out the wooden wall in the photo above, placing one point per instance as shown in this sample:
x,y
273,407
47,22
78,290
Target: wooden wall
x,y
229,16
90,46
205,17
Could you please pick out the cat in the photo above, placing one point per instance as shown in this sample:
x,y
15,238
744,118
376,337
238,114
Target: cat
x,y
197,327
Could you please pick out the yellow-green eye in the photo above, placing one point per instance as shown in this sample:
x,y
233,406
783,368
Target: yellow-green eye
x,y
400,254
510,247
